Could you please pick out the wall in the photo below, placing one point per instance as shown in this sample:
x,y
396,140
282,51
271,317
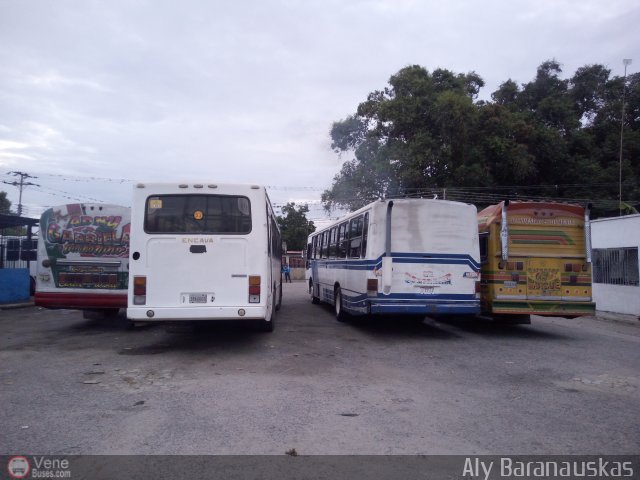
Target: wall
x,y
295,261
616,232
14,285
297,273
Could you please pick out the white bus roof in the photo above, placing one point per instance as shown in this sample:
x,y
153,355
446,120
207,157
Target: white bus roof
x,y
199,185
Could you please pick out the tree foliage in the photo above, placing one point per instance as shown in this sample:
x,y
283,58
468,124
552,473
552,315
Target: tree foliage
x,y
294,226
5,203
551,137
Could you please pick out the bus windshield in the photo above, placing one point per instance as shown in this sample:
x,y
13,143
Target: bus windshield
x,y
195,214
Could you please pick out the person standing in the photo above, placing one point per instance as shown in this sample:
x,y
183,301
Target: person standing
x,y
287,272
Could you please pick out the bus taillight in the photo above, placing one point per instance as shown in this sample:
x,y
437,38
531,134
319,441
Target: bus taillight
x,y
139,290
254,288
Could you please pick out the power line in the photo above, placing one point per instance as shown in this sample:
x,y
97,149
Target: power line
x,y
69,195
88,178
21,185
475,194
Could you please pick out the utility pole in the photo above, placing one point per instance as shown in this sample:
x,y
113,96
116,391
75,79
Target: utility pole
x,y
21,184
626,61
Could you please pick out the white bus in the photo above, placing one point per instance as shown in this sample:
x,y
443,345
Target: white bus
x,y
202,251
403,256
83,256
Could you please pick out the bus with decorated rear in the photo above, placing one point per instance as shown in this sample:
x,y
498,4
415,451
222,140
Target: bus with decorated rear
x,y
406,256
204,251
536,259
83,256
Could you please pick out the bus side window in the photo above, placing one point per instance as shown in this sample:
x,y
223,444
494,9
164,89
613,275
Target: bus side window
x,y
13,250
343,235
28,250
345,240
269,234
325,244
332,242
484,247
355,237
275,241
365,234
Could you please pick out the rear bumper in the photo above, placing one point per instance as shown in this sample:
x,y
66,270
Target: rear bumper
x,y
80,300
412,304
541,307
170,314
422,308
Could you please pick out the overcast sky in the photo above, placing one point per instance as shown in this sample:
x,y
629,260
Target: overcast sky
x,y
97,94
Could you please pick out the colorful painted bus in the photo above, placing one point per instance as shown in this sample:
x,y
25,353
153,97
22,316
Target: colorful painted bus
x,y
536,259
400,257
83,257
204,251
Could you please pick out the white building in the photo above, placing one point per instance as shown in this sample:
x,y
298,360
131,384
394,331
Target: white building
x,y
615,243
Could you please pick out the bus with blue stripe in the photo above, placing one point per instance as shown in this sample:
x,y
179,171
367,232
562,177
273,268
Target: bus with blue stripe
x,y
409,256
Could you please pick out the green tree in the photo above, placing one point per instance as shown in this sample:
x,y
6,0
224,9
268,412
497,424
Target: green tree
x,y
409,136
294,226
547,138
5,203
588,88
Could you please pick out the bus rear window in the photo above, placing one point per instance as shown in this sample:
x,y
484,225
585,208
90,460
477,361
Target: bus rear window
x,y
216,214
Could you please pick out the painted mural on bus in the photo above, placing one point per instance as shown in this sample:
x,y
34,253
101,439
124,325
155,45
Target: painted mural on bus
x,y
83,255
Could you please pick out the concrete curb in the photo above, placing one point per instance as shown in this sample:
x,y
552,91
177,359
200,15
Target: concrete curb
x,y
13,306
617,317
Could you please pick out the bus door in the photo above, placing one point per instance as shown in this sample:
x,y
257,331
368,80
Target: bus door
x,y
197,251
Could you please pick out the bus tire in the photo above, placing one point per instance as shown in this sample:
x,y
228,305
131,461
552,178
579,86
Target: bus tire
x,y
279,304
110,312
270,326
267,327
341,315
315,300
513,319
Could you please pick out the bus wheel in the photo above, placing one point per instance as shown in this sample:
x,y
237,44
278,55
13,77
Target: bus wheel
x,y
513,319
110,312
279,297
269,326
341,315
315,300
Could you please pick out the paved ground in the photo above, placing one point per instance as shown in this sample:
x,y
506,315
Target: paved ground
x,y
321,387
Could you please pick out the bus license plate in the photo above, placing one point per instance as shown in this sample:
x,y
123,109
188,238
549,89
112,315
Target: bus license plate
x,y
198,298
426,290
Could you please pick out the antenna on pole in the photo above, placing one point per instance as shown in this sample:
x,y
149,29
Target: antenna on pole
x,y
21,184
